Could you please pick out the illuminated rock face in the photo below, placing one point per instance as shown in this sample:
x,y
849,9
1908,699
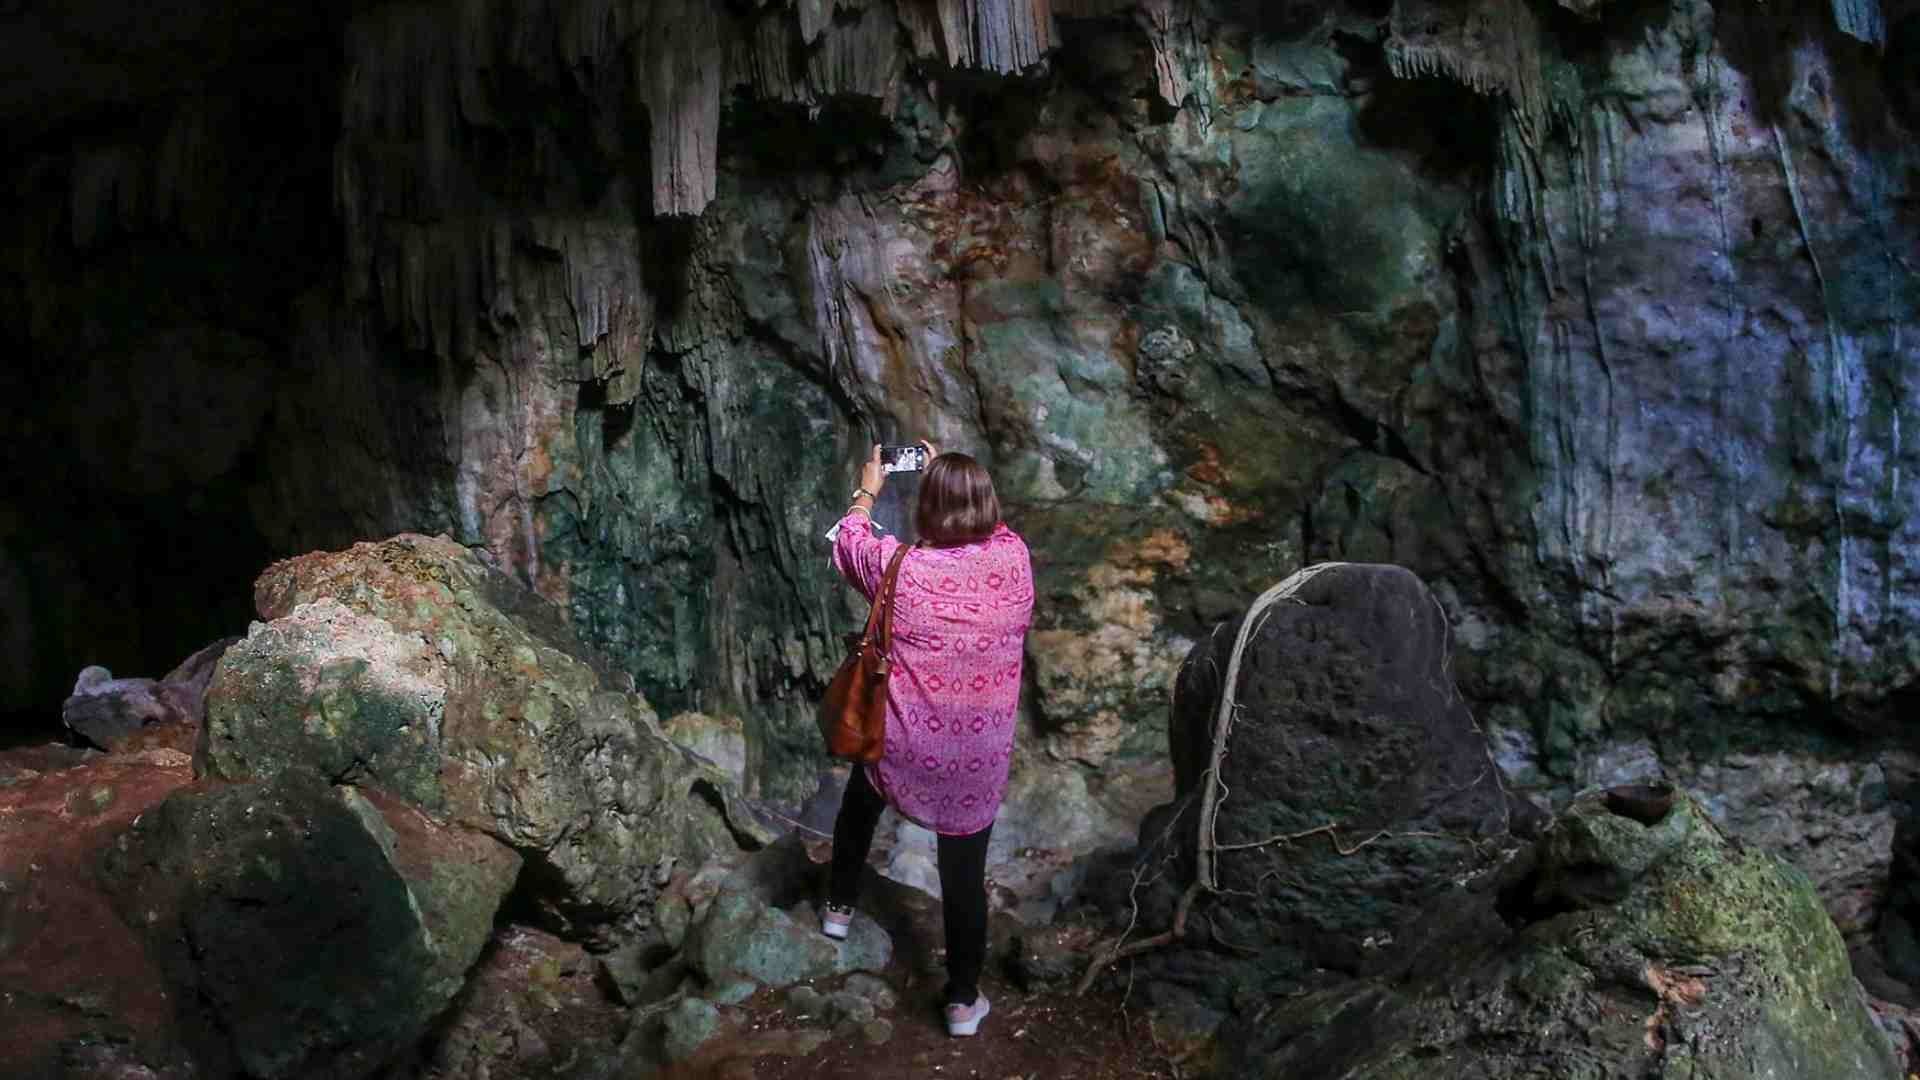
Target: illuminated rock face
x,y
1604,327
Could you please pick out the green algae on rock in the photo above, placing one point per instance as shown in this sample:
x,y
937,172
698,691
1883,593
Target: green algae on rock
x,y
411,667
1617,947
306,931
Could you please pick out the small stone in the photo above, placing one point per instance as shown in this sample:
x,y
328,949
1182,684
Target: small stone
x,y
807,1001
796,1043
1051,956
689,1026
735,992
873,988
843,1005
672,916
877,1031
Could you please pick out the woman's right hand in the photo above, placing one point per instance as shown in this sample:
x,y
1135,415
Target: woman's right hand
x,y
872,476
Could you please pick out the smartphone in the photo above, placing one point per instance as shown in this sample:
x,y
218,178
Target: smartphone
x,y
895,459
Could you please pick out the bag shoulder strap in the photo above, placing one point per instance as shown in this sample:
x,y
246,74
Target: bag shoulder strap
x,y
883,603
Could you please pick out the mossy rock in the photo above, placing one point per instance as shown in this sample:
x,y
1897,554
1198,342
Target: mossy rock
x,y
306,931
1618,947
410,667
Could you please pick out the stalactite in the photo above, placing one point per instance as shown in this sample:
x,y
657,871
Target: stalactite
x,y
1002,36
187,175
860,58
613,310
181,182
589,36
1707,89
1861,19
762,59
831,253
814,16
1491,46
1091,9
846,266
1844,371
1169,25
921,20
679,78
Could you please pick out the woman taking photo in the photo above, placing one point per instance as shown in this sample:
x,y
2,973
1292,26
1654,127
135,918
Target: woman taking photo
x,y
962,605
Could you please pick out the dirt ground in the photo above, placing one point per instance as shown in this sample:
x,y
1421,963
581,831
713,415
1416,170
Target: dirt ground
x,y
536,1005
1045,1036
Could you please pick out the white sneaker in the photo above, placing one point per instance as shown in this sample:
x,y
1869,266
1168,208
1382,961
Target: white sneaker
x,y
835,920
965,1019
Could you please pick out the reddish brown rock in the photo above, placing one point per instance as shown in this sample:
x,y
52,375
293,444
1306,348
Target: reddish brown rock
x,y
72,970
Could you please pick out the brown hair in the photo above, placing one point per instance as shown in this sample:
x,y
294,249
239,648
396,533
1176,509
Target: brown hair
x,y
957,502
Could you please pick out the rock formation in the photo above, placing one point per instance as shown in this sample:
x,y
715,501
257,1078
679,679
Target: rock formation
x,y
410,747
1637,940
412,667
1598,326
75,975
123,714
1352,782
306,930
1598,318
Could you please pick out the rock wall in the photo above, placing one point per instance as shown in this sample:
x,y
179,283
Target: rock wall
x,y
1597,317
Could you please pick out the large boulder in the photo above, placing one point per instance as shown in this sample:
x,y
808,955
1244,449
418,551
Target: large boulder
x,y
1354,782
1635,940
306,930
411,666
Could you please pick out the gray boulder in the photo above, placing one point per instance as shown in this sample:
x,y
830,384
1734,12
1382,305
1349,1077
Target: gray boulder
x,y
125,714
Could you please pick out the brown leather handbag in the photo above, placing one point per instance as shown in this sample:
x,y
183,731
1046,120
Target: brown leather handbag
x,y
853,714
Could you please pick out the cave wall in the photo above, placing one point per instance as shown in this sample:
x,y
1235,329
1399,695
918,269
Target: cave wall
x,y
1599,317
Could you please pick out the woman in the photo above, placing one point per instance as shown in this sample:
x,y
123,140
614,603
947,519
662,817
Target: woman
x,y
963,602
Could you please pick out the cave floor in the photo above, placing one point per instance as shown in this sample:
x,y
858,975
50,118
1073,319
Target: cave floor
x,y
1040,1036
1047,1034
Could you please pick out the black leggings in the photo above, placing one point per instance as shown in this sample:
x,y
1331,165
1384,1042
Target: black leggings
x,y
963,882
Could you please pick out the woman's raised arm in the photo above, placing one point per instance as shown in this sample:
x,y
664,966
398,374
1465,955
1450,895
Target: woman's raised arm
x,y
858,553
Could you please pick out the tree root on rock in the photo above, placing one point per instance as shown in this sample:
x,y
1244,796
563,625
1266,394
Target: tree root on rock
x,y
1121,947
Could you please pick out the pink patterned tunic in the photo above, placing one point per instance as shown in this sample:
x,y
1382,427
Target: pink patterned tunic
x,y
959,633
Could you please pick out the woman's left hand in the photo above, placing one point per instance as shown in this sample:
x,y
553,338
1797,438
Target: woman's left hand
x,y
872,476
